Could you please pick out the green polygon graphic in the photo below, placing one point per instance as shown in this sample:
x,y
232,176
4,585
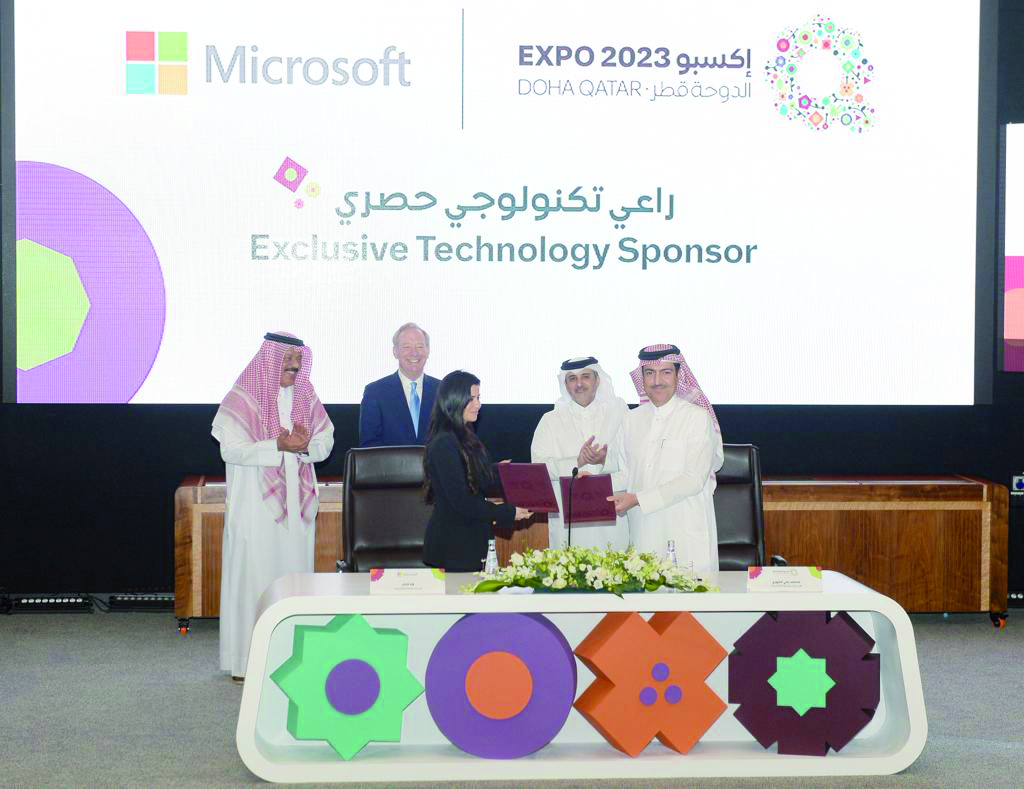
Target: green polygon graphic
x,y
51,304
140,78
316,651
800,682
172,47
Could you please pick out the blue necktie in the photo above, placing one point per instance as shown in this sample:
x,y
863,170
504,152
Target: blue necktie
x,y
414,410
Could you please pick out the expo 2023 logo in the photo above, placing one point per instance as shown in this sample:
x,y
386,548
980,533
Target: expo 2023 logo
x,y
803,53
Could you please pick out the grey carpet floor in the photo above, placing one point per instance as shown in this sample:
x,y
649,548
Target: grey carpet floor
x,y
123,700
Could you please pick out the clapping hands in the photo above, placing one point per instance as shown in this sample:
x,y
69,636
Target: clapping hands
x,y
295,441
592,454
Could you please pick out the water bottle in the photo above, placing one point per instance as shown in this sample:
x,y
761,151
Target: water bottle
x,y
491,562
670,554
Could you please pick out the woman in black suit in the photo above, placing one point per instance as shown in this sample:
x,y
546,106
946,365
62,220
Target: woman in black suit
x,y
458,471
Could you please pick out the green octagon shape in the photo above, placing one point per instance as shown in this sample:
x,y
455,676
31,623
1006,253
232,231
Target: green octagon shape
x,y
305,679
51,304
801,682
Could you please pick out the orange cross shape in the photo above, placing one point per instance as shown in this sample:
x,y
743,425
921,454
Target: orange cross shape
x,y
650,680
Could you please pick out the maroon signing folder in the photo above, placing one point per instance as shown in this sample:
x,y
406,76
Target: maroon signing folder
x,y
589,499
527,485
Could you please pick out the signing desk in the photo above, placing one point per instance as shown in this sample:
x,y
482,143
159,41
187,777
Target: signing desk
x,y
422,687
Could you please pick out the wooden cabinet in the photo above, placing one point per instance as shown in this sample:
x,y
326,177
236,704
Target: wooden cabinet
x,y
199,535
937,544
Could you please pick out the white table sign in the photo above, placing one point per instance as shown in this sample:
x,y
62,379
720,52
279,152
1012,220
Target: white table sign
x,y
426,580
783,579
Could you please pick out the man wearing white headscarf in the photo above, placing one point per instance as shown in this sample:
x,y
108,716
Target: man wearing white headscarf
x,y
584,432
672,447
272,428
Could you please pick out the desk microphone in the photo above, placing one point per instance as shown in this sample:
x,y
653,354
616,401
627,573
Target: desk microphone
x,y
568,507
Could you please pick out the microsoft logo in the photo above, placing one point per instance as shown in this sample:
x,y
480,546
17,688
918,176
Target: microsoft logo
x,y
157,63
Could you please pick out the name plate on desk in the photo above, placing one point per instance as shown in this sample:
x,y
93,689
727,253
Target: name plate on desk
x,y
425,580
783,579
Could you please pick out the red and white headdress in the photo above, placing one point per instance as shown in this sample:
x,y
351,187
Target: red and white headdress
x,y
252,405
687,387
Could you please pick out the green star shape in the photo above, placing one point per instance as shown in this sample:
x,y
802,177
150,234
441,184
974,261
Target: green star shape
x,y
316,650
800,682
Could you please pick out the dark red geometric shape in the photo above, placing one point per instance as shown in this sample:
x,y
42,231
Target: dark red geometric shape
x,y
851,703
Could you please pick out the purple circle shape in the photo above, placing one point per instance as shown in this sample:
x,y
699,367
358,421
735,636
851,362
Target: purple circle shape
x,y
660,672
352,687
648,696
673,694
548,657
65,211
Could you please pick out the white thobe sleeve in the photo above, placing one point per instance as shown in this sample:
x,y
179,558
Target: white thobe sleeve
x,y
614,462
236,448
320,446
544,449
700,442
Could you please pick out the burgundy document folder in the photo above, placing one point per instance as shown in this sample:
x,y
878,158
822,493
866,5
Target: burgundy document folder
x,y
527,485
589,499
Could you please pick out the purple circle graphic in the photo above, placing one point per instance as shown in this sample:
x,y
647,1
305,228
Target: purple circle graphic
x,y
352,687
548,657
673,694
73,215
648,696
660,672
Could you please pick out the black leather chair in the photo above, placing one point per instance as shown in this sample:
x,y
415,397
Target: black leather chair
x,y
383,516
739,510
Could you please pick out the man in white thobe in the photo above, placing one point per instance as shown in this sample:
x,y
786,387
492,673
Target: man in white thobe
x,y
672,447
583,432
272,428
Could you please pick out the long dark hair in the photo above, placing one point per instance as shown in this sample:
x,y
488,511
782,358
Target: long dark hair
x,y
453,395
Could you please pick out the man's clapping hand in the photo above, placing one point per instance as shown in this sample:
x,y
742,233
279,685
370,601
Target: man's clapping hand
x,y
295,441
592,454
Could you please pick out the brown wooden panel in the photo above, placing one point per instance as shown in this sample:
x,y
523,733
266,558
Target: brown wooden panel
x,y
824,537
327,550
917,578
212,527
533,536
183,502
961,560
999,548
917,557
203,504
880,489
803,537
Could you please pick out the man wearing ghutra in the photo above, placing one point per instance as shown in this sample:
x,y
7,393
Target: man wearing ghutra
x,y
672,446
272,428
583,431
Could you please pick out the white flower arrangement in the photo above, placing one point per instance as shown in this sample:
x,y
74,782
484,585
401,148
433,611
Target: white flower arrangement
x,y
576,569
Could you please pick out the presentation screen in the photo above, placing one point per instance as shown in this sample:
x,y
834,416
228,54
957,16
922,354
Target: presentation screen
x,y
1013,245
785,191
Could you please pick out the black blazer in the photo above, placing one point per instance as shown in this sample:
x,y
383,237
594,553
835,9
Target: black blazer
x,y
384,419
462,522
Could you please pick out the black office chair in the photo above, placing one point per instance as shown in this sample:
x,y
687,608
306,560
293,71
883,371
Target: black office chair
x,y
383,516
739,510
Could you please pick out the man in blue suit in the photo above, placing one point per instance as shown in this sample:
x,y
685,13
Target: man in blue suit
x,y
395,410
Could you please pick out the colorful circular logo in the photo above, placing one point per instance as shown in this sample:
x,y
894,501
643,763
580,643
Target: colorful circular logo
x,y
90,291
845,106
501,686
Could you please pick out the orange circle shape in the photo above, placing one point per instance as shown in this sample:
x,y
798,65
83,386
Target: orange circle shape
x,y
498,685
